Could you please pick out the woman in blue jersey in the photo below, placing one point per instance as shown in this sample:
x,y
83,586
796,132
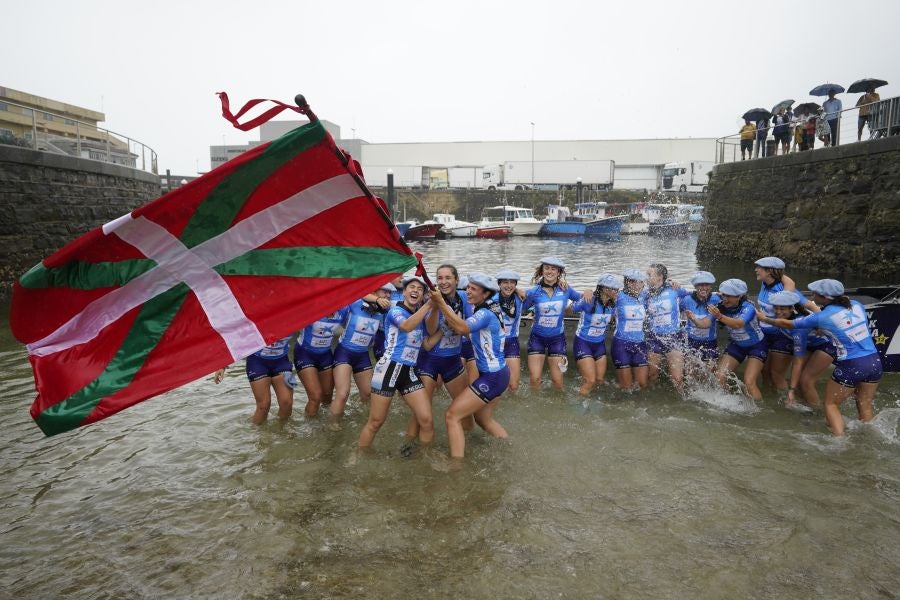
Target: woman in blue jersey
x,y
509,299
484,328
629,346
804,343
266,369
770,274
362,321
395,371
858,368
549,296
739,316
597,308
664,333
701,328
385,297
314,360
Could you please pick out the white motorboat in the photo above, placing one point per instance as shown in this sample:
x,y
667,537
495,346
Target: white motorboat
x,y
520,219
453,227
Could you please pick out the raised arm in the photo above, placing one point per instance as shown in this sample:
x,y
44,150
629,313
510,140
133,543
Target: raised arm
x,y
453,320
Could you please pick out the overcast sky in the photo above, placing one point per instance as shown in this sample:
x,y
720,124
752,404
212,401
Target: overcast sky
x,y
452,71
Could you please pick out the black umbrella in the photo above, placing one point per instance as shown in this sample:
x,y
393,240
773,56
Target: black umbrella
x,y
825,89
782,104
864,85
807,108
757,114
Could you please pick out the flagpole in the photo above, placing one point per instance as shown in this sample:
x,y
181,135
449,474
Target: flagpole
x,y
305,109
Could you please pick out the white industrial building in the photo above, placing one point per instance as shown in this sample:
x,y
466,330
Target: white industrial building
x,y
638,163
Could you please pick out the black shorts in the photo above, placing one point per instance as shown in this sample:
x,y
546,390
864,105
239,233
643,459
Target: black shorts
x,y
747,145
389,376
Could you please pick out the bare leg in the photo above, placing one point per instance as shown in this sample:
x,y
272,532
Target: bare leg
x,y
865,394
485,419
342,374
653,368
556,374
326,381
675,360
412,426
309,377
515,368
814,367
751,374
535,368
776,366
262,394
588,372
363,381
641,376
378,411
623,376
455,388
285,396
727,364
464,405
835,394
421,407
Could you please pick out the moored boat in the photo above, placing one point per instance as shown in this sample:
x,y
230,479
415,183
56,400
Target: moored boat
x,y
606,225
668,220
521,220
452,227
493,232
882,304
424,231
560,223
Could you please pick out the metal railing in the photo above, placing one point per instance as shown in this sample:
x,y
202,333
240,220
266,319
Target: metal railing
x,y
883,121
72,137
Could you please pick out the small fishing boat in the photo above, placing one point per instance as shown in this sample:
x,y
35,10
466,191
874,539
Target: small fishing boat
x,y
493,232
423,231
635,223
521,220
607,226
561,223
452,227
669,220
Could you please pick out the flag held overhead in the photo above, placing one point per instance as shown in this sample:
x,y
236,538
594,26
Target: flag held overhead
x,y
252,251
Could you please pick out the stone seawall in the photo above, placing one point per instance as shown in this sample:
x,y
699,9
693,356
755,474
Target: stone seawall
x,y
47,200
831,210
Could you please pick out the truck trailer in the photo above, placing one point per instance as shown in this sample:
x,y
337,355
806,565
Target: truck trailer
x,y
549,174
687,176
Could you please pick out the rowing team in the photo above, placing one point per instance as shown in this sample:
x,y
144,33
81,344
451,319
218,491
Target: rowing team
x,y
468,339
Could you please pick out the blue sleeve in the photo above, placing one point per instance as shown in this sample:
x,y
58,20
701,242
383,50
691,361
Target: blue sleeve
x,y
574,295
395,316
748,313
580,306
479,320
682,293
807,322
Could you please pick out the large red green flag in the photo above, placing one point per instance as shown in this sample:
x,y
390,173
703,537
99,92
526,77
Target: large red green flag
x,y
205,275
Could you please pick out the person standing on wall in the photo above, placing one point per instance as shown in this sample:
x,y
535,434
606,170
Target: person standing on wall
x,y
865,110
833,108
762,132
748,132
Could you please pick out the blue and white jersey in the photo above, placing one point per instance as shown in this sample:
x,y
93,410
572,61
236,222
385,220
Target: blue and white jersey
x,y
630,316
799,340
549,310
594,319
848,329
689,302
487,341
402,346
317,337
749,334
450,343
511,322
764,305
360,327
663,312
275,349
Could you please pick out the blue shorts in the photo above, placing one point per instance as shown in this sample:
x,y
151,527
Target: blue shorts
x,y
778,342
629,354
304,359
739,353
259,367
704,349
490,385
448,367
389,376
359,361
555,345
663,343
853,371
827,348
511,348
466,349
585,349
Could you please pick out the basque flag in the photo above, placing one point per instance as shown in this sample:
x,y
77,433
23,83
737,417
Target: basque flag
x,y
203,276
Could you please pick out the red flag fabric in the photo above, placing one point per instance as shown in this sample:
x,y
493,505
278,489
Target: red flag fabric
x,y
207,274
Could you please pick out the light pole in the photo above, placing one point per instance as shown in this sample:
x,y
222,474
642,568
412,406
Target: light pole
x,y
578,189
532,155
392,207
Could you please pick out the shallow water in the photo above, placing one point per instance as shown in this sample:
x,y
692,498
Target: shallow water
x,y
620,495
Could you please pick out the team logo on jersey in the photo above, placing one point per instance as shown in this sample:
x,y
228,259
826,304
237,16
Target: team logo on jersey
x,y
484,388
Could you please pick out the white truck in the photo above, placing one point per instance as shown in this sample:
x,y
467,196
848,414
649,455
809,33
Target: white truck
x,y
686,176
549,174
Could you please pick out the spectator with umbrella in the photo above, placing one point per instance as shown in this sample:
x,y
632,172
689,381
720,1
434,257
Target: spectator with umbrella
x,y
832,107
782,125
761,116
807,110
865,101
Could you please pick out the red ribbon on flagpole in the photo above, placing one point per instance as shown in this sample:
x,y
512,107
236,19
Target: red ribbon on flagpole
x,y
256,122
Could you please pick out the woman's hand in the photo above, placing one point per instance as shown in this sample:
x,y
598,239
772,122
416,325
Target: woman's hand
x,y
219,376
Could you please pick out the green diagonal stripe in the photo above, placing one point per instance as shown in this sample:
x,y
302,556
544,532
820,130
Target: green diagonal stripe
x,y
322,261
80,275
154,318
218,210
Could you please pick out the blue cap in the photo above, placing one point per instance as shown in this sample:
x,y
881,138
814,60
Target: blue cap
x,y
553,262
703,277
411,278
733,287
784,298
485,281
771,262
508,274
608,280
388,287
830,288
635,274
463,283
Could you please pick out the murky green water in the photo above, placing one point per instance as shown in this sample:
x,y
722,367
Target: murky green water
x,y
620,496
